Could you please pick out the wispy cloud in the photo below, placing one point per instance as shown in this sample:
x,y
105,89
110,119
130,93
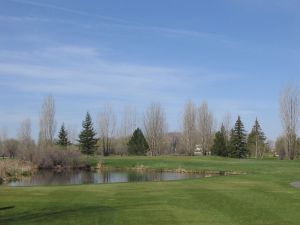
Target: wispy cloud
x,y
166,31
73,69
73,11
118,23
82,72
35,19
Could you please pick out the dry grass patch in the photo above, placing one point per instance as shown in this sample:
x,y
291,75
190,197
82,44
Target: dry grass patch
x,y
14,169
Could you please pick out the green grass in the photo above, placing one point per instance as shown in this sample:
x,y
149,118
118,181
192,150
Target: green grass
x,y
262,196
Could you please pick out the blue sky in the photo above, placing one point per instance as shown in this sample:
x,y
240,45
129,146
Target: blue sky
x,y
236,55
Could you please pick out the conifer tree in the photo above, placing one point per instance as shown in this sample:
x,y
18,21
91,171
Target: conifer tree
x,y
137,144
87,140
63,137
238,144
220,143
256,140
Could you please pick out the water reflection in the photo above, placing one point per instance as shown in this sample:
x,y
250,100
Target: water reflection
x,y
48,177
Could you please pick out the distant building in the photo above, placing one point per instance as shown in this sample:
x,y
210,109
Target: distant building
x,y
199,151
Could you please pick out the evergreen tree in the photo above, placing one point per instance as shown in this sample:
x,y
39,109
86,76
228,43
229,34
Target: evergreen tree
x,y
220,143
87,140
256,140
63,137
238,144
137,144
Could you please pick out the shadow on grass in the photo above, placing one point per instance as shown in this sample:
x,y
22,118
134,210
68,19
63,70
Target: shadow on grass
x,y
7,207
50,214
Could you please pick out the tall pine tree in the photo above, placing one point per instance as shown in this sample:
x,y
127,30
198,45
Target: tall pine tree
x,y
137,144
87,140
238,142
63,137
220,143
256,140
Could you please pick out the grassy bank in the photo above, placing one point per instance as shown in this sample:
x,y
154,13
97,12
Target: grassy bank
x,y
262,196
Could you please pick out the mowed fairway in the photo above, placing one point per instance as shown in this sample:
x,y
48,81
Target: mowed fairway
x,y
262,196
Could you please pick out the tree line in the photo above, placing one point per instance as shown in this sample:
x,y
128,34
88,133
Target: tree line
x,y
198,133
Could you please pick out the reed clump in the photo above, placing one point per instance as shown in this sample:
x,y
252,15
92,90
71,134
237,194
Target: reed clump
x,y
13,169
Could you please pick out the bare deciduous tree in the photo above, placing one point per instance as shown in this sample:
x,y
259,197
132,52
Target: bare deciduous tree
x,y
205,128
24,134
127,127
3,138
72,133
3,134
280,147
155,128
227,123
47,122
189,131
107,125
11,148
290,112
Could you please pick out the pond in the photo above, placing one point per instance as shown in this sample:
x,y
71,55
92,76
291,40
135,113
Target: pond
x,y
69,177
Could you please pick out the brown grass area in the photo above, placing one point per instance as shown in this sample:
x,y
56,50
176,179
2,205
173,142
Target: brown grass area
x,y
14,169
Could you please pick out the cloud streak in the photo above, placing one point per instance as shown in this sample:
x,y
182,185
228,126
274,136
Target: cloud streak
x,y
34,19
73,11
73,69
76,72
118,23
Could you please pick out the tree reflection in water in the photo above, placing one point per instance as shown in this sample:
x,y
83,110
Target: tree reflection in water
x,y
69,177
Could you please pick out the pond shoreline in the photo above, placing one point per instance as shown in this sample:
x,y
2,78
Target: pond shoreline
x,y
48,177
194,174
174,170
15,170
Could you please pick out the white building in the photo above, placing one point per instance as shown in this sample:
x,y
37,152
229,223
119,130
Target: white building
x,y
199,151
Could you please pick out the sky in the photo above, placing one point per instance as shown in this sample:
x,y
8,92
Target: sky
x,y
235,55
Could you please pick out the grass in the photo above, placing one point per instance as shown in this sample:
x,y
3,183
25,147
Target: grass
x,y
261,196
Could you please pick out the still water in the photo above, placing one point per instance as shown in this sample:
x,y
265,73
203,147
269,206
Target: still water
x,y
48,177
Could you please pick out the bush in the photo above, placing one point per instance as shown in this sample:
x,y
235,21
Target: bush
x,y
13,148
66,157
13,169
54,156
48,157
